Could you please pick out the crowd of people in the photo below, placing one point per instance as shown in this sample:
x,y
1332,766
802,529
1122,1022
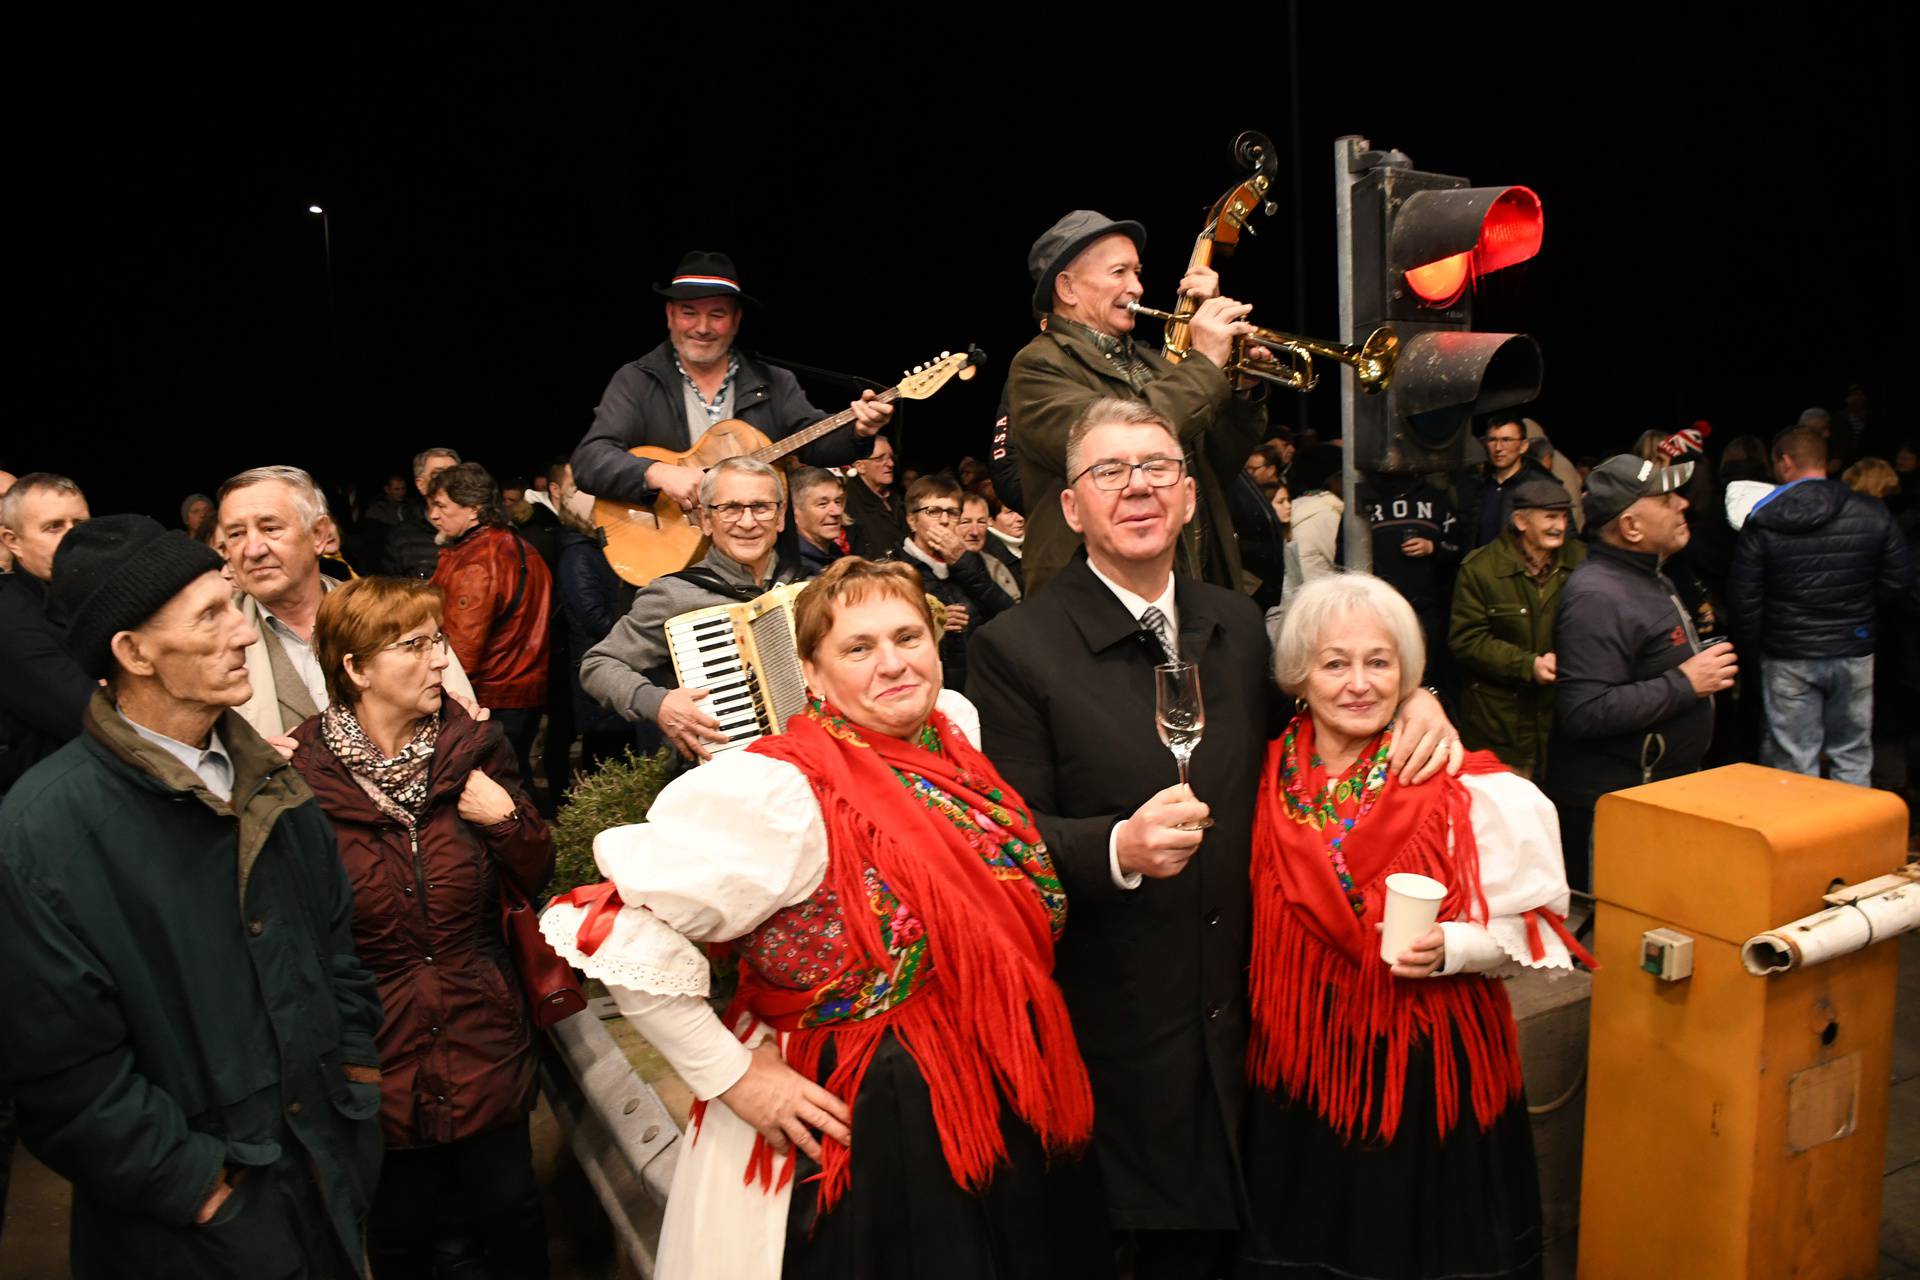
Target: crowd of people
x,y
272,779
1588,619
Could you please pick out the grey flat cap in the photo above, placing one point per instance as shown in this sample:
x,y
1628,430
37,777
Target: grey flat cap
x,y
1062,243
1540,492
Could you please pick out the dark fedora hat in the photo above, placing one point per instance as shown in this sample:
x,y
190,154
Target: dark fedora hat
x,y
1062,243
704,275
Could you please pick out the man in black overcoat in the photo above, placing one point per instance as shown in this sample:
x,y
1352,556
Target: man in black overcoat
x,y
1154,959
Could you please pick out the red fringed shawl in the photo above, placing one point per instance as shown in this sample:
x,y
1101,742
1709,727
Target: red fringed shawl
x,y
1330,1021
989,1021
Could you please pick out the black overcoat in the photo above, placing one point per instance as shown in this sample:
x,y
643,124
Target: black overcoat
x,y
1155,977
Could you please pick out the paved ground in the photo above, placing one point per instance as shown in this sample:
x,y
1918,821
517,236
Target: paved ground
x,y
581,1246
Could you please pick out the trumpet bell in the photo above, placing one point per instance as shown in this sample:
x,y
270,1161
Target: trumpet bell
x,y
1373,362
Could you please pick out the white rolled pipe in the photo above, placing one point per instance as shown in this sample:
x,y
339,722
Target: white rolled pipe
x,y
1837,931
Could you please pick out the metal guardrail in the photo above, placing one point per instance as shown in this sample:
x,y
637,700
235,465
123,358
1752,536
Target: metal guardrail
x,y
625,1140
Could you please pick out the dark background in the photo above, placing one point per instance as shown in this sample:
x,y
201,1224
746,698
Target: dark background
x,y
1729,232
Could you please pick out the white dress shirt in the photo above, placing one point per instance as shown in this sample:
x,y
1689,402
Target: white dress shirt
x,y
1135,605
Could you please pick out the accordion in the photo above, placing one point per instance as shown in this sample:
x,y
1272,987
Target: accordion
x,y
746,656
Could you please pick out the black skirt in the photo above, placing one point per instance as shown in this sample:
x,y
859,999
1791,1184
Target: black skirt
x,y
1419,1208
903,1215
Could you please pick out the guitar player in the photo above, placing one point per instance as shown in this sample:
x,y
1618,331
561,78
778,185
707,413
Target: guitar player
x,y
669,397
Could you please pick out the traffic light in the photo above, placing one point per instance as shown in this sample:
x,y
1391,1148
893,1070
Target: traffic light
x,y
1417,243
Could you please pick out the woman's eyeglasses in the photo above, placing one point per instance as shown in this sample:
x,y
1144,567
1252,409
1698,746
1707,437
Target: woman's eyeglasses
x,y
419,646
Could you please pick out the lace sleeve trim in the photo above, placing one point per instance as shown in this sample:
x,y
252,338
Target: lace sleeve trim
x,y
642,953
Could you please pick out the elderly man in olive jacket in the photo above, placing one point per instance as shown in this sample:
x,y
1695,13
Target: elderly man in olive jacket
x,y
1086,272
1504,602
187,1032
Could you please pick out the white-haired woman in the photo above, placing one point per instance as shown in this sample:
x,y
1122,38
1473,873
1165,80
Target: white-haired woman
x,y
1398,1086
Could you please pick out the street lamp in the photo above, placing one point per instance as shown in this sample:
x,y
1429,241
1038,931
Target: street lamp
x,y
326,238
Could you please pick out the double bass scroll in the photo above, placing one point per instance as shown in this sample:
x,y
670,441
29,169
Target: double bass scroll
x,y
1230,215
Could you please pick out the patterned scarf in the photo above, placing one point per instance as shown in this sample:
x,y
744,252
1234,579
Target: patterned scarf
x,y
398,785
1330,1022
959,854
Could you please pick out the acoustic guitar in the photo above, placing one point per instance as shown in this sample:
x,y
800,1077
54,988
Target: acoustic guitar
x,y
643,543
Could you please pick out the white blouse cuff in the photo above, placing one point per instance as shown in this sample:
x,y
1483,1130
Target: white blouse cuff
x,y
1469,948
690,1036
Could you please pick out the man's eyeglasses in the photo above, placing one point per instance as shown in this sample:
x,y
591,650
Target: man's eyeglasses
x,y
419,646
1111,474
735,512
943,514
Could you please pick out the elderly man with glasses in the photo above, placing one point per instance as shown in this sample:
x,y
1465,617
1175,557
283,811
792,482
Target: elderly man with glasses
x,y
953,574
1154,963
631,671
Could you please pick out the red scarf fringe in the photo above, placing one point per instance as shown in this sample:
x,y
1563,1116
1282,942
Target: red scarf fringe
x,y
990,1022
1330,1021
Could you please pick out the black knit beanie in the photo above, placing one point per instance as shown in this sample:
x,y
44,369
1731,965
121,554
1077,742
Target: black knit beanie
x,y
113,573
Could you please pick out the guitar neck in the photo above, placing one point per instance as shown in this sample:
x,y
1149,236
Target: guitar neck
x,y
807,435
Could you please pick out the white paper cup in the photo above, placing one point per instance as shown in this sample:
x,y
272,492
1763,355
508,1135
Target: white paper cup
x,y
1413,904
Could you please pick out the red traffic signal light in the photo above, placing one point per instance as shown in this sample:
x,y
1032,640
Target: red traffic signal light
x,y
1414,243
1442,239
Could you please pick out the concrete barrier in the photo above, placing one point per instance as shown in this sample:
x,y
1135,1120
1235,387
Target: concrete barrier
x,y
623,1136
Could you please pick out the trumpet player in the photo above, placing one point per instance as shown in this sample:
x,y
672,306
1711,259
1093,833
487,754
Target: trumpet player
x,y
1086,273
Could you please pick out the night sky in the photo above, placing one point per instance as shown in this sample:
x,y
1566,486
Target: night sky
x,y
1729,226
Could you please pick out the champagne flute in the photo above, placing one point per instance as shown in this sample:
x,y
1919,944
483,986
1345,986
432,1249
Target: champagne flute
x,y
1181,717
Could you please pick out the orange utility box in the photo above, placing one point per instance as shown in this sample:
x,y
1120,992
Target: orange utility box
x,y
1736,1125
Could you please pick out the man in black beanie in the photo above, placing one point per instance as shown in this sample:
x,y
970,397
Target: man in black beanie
x,y
188,1034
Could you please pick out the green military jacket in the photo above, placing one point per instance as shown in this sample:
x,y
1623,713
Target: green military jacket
x,y
1501,622
1063,370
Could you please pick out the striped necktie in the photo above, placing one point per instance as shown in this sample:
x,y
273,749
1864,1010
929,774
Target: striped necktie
x,y
1156,622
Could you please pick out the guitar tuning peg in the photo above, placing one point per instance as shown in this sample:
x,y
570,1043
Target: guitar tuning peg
x,y
945,354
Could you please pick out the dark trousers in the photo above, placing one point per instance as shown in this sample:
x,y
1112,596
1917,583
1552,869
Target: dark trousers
x,y
466,1209
557,763
601,745
520,724
1576,843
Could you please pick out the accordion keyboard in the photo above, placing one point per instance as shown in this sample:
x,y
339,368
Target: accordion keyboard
x,y
706,656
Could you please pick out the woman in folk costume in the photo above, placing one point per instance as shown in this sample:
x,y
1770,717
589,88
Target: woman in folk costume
x,y
1387,1133
894,912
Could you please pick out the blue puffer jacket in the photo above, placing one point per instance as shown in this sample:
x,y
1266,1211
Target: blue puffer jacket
x,y
1813,565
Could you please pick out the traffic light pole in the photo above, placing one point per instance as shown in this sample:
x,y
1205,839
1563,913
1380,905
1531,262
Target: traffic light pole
x,y
1353,528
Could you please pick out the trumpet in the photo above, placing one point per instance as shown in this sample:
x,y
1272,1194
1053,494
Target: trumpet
x,y
1372,359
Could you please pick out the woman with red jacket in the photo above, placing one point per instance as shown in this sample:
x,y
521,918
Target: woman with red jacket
x,y
498,600
430,814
